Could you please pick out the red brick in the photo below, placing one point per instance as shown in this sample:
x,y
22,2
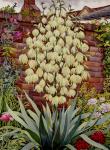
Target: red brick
x,y
92,64
96,80
96,74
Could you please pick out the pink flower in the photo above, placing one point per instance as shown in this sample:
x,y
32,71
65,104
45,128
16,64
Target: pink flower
x,y
6,117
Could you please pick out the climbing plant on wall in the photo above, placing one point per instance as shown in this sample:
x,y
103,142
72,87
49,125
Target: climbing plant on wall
x,y
104,36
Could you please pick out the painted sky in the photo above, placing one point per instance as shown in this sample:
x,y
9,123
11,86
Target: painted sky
x,y
76,4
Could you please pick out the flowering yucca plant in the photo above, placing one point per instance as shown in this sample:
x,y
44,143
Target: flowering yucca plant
x,y
55,57
54,130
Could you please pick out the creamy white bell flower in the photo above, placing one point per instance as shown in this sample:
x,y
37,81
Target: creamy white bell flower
x,y
53,24
59,78
48,97
61,64
62,29
45,76
34,78
65,71
42,37
29,41
49,46
61,42
42,29
79,57
73,70
79,69
56,33
48,27
65,50
34,39
80,35
85,75
56,68
49,34
42,83
63,91
31,53
32,64
52,90
23,59
64,82
29,71
52,62
39,72
75,79
40,57
52,39
71,33
76,29
84,47
69,40
48,68
38,44
58,59
28,79
71,93
60,20
62,100
63,35
55,100
44,20
38,88
42,65
31,45
50,78
76,42
73,50
50,56
69,23
69,60
35,32
74,86
57,48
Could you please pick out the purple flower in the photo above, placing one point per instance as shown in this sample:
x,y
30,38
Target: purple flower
x,y
97,115
6,117
92,101
105,107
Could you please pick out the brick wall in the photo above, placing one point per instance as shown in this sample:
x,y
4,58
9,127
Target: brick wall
x,y
95,60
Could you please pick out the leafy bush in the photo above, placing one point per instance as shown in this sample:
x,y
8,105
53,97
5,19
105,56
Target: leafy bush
x,y
54,130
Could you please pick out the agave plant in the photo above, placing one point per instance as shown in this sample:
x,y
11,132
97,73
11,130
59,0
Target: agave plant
x,y
54,129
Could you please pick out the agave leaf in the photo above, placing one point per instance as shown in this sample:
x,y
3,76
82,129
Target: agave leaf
x,y
43,132
72,130
65,129
93,143
28,120
70,147
17,118
28,146
62,118
34,117
33,104
56,135
103,119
